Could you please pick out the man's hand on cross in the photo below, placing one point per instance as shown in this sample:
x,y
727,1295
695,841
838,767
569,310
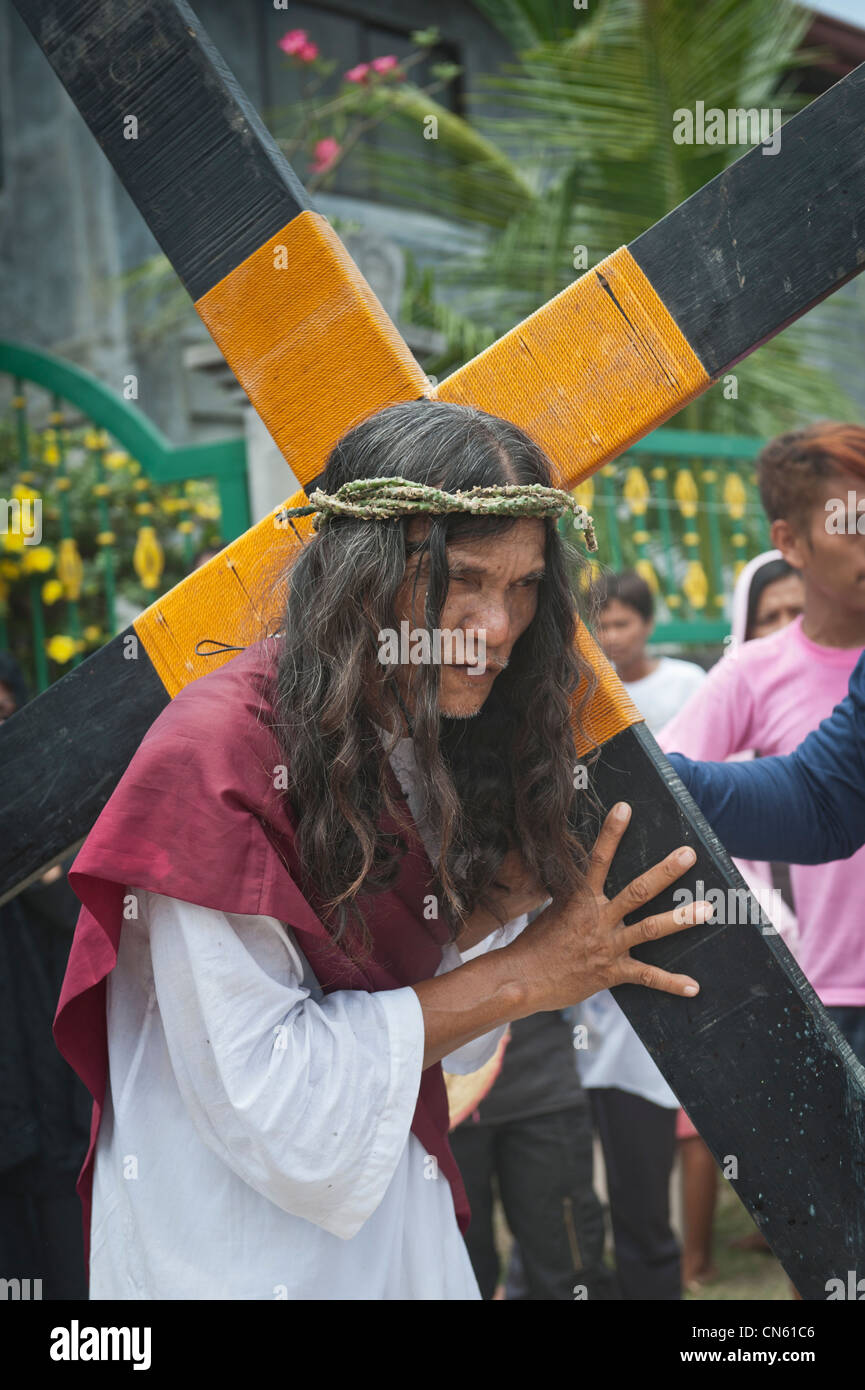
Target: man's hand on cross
x,y
574,950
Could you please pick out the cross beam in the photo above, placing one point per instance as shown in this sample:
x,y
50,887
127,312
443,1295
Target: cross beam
x,y
765,1075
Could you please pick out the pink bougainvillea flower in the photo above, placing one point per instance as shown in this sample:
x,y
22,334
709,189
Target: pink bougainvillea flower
x,y
308,53
357,74
324,153
293,41
385,64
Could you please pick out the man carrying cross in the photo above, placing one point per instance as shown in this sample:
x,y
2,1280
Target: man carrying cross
x,y
277,949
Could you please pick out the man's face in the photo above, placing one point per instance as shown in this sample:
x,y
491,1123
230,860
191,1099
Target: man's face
x,y
831,564
778,605
492,598
622,633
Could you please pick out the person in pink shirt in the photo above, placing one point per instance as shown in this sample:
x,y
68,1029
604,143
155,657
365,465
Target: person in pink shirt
x,y
765,695
768,596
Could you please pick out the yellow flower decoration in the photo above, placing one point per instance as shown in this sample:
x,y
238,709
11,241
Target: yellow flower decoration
x,y
93,633
143,508
685,492
106,538
585,493
52,590
9,569
116,458
696,585
25,494
735,496
61,648
148,558
636,491
646,571
37,559
12,540
70,568
590,575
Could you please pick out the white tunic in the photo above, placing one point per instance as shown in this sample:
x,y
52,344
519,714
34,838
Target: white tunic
x,y
255,1141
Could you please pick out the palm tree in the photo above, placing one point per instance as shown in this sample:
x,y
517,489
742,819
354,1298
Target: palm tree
x,y
585,160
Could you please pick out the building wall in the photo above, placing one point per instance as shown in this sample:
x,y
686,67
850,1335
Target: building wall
x,y
69,232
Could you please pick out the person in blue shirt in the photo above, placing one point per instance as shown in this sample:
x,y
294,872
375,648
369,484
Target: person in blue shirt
x,y
805,808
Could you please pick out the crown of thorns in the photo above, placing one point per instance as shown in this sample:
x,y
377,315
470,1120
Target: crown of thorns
x,y
381,499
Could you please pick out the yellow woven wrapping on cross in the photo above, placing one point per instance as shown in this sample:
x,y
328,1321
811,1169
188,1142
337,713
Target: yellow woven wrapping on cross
x,y
593,370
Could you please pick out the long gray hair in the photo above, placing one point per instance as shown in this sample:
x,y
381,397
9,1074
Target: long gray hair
x,y
503,779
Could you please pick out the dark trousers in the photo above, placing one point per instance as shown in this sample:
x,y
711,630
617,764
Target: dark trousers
x,y
543,1166
41,1238
850,1019
639,1141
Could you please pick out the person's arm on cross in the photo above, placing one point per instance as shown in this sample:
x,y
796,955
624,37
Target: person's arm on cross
x,y
568,953
805,808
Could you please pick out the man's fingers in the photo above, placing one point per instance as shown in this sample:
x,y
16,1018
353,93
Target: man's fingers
x,y
636,972
665,924
641,890
606,845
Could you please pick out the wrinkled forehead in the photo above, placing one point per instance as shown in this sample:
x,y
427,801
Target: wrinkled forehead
x,y
522,543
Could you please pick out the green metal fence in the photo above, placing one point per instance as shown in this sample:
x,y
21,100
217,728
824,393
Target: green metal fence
x,y
682,508
120,508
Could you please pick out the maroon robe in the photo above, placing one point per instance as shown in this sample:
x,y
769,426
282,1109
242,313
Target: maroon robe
x,y
196,816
